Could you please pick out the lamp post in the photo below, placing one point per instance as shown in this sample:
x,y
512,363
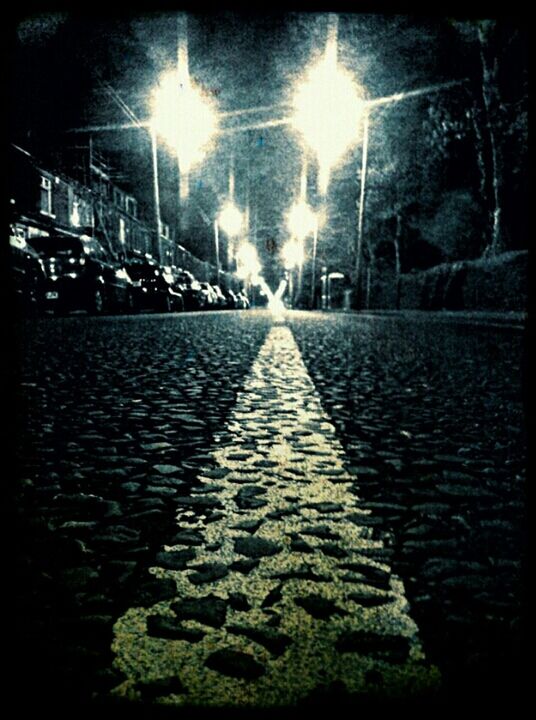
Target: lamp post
x,y
248,267
292,255
184,116
230,220
313,265
327,105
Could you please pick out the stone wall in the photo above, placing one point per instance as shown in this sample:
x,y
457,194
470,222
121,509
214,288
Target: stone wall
x,y
498,283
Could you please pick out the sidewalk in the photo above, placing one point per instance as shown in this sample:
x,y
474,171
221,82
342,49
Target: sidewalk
x,y
511,319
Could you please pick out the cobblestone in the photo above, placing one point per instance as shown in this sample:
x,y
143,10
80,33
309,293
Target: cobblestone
x,y
430,483
301,586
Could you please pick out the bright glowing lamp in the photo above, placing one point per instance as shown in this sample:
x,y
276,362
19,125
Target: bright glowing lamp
x,y
327,109
184,117
292,253
301,220
247,262
230,219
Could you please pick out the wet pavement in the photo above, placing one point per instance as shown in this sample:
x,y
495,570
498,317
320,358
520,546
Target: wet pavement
x,y
216,510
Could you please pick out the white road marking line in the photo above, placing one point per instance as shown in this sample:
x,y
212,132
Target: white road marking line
x,y
327,606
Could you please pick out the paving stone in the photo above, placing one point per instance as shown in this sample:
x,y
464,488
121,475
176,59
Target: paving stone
x,y
209,610
255,547
167,469
247,497
275,642
164,490
82,527
374,575
321,531
80,576
332,550
274,596
187,537
301,574
216,473
319,607
235,664
325,507
156,446
368,599
175,560
458,490
281,513
172,629
239,457
239,601
213,517
250,526
393,647
150,690
207,572
299,545
131,487
265,463
203,501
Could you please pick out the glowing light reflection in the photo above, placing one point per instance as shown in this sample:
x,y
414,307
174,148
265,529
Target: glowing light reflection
x,y
184,117
327,109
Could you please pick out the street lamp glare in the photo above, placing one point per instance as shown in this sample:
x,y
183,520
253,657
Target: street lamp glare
x,y
184,117
301,220
248,266
327,107
230,219
292,254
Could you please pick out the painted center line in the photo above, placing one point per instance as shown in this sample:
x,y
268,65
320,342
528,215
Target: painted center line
x,y
281,589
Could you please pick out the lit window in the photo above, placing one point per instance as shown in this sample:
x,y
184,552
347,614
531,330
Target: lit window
x,y
119,198
122,234
75,212
46,195
131,206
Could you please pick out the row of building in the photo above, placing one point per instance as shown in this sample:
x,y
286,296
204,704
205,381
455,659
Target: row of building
x,y
47,201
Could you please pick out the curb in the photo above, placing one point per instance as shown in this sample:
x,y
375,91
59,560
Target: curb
x,y
512,319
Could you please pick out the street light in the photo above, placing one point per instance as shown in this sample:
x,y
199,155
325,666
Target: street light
x,y
292,255
230,219
301,220
327,107
248,266
184,117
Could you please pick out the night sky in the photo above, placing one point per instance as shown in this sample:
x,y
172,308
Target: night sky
x,y
243,61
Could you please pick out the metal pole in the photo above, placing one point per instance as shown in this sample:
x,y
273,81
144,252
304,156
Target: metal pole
x,y
156,194
291,287
217,251
313,270
300,281
359,244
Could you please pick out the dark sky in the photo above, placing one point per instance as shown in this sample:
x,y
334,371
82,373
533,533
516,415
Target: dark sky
x,y
243,60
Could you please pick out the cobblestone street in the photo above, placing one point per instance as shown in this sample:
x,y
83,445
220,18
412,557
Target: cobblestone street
x,y
218,509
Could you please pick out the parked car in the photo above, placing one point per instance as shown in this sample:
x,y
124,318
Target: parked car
x,y
80,275
243,300
194,297
211,299
26,276
232,301
221,300
154,286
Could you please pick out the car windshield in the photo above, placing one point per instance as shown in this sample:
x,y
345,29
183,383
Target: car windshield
x,y
140,270
184,277
51,246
